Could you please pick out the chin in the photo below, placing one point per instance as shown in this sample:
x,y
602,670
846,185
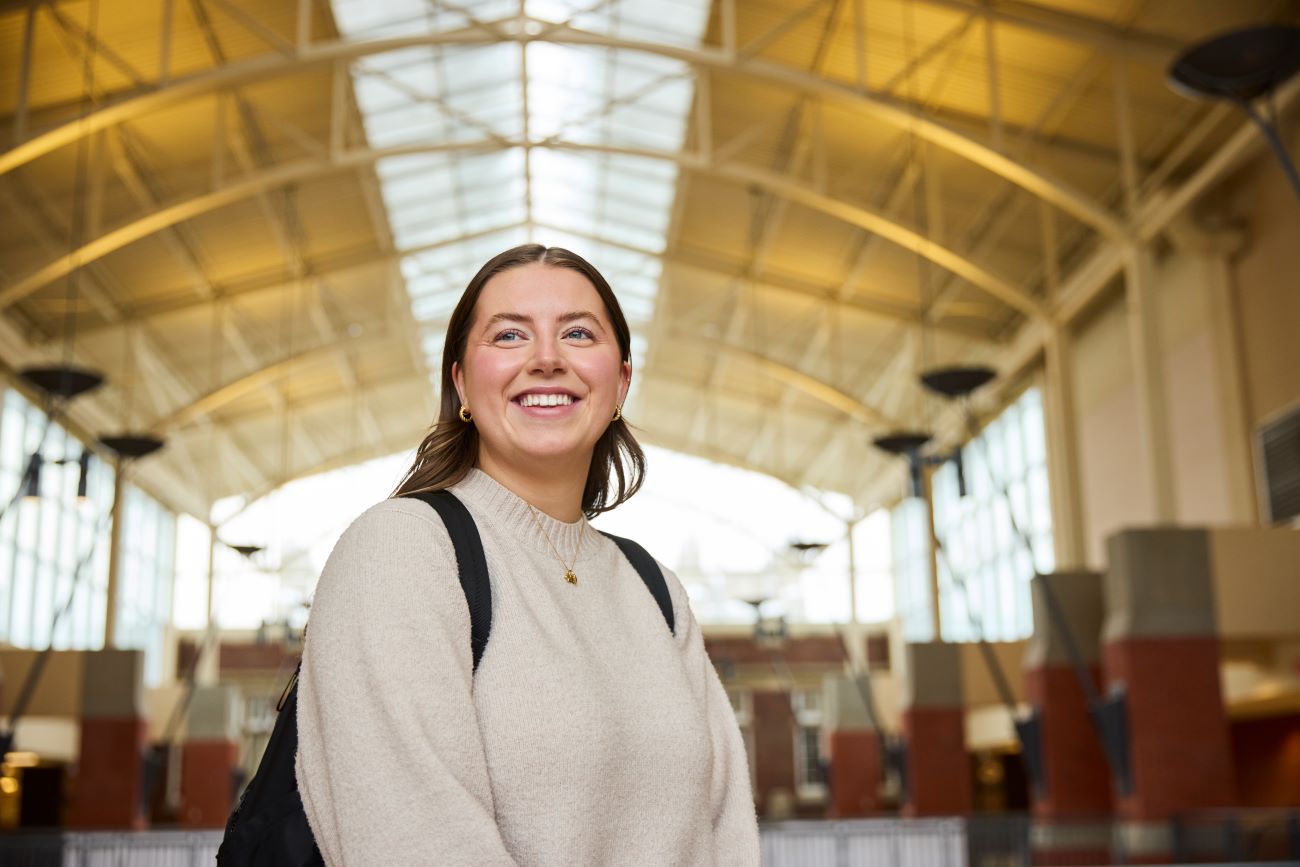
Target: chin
x,y
555,450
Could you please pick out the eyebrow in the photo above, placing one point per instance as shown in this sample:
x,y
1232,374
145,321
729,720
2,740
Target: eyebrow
x,y
571,316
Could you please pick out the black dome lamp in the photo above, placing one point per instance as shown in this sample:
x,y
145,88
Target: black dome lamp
x,y
1242,66
61,381
957,381
907,444
130,446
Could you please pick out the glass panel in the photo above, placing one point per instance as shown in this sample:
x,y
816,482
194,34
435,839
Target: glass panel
x,y
990,587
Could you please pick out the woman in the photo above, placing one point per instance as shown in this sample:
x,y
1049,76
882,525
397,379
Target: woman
x,y
590,734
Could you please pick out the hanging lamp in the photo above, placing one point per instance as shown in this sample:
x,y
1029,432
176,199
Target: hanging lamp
x,y
1243,66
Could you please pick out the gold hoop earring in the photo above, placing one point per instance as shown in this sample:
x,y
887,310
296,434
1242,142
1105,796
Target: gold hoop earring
x,y
618,413
465,415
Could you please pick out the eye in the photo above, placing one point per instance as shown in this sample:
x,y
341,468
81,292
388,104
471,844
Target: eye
x,y
580,333
510,335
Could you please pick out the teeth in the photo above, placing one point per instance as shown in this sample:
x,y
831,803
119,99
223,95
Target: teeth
x,y
545,400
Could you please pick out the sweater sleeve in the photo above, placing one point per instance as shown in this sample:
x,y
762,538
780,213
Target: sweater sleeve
x,y
390,764
735,826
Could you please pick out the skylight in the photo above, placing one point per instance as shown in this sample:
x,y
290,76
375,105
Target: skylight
x,y
506,142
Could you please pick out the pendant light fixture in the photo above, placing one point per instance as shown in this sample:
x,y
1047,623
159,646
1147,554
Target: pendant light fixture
x,y
958,383
59,383
1243,67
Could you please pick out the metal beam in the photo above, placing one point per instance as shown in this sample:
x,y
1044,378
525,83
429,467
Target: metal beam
x,y
1100,34
817,389
267,373
301,172
893,112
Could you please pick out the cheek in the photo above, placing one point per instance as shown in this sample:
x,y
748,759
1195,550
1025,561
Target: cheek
x,y
487,373
603,374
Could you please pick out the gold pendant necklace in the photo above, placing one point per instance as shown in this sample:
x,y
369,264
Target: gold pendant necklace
x,y
569,574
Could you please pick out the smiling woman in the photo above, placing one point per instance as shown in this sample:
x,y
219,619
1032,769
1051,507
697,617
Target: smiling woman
x,y
535,321
589,731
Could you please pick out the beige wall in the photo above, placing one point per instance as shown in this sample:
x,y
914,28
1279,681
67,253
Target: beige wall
x,y
1256,575
58,694
1266,284
1228,324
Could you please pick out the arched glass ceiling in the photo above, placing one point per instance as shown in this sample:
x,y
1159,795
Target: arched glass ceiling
x,y
460,208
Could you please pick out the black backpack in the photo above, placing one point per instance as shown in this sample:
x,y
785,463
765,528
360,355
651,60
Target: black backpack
x,y
268,827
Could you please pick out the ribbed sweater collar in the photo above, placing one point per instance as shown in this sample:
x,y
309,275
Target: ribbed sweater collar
x,y
511,512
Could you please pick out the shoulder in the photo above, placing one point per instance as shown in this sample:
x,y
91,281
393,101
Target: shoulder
x,y
397,543
395,521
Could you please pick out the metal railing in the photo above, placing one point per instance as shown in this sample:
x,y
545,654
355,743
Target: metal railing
x,y
865,843
1220,837
110,849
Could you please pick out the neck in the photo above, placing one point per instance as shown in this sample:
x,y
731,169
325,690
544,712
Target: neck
x,y
558,492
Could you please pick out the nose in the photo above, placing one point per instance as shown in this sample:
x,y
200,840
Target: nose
x,y
546,359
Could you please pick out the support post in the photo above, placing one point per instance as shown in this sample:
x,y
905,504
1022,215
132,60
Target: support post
x,y
1062,451
1148,367
114,556
1161,654
934,731
1063,652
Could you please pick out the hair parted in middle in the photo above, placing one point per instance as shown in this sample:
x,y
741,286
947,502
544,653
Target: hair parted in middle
x,y
450,449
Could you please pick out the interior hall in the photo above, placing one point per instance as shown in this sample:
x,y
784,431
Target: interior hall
x,y
965,351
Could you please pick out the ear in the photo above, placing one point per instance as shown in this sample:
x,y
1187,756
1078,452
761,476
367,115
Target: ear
x,y
626,376
458,378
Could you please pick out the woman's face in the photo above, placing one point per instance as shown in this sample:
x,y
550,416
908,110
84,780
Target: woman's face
x,y
542,372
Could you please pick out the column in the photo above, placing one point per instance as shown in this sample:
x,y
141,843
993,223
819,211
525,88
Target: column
x,y
934,731
210,757
1161,650
1071,808
854,751
774,750
113,738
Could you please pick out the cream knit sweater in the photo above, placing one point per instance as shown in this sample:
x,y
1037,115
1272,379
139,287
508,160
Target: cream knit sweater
x,y
590,735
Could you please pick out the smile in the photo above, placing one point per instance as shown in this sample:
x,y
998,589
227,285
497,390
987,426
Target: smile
x,y
546,400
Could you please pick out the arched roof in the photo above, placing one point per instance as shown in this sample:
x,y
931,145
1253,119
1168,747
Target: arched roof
x,y
256,217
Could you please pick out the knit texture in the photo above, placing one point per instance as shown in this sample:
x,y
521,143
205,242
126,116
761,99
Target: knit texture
x,y
590,735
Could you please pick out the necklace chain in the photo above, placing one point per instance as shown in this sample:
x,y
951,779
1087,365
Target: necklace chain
x,y
569,574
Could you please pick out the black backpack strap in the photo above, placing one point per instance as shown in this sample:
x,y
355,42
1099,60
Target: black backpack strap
x,y
470,563
650,573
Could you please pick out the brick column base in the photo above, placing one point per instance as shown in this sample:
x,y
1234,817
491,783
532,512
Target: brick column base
x,y
109,787
854,773
1076,770
207,783
1178,733
938,768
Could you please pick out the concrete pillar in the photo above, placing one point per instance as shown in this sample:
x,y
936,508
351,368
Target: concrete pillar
x,y
1070,809
854,748
210,757
113,738
1161,650
934,731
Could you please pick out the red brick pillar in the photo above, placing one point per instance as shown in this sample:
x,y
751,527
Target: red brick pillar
x,y
774,752
854,751
210,756
114,735
934,731
1161,650
1071,809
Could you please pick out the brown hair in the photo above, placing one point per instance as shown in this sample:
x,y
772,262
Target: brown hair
x,y
451,447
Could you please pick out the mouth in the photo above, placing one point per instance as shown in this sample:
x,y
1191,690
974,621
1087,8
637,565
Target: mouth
x,y
546,403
